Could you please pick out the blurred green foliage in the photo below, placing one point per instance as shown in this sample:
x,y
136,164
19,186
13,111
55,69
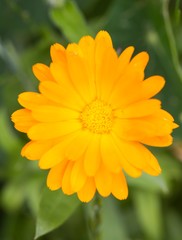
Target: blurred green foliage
x,y
153,210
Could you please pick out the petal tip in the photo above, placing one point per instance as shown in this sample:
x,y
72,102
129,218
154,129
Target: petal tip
x,y
103,36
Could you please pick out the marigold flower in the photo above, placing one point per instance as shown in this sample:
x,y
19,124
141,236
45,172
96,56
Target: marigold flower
x,y
93,117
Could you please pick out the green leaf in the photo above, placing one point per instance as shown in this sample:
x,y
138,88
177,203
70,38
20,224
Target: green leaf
x,y
111,211
151,183
148,209
69,19
55,208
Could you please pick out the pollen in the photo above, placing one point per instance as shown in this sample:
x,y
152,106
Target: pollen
x,y
97,117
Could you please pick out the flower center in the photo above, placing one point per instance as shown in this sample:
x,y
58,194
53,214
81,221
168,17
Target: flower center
x,y
97,117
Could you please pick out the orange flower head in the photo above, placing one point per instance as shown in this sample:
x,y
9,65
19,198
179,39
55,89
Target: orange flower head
x,y
92,118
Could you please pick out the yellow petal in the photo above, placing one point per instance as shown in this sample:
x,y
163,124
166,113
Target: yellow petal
x,y
57,94
133,153
48,113
137,92
105,65
151,86
31,99
92,156
103,39
55,154
128,167
103,181
149,170
119,186
138,156
78,72
140,61
78,176
87,45
136,129
106,73
174,125
66,184
165,115
55,176
131,129
124,59
151,161
123,75
61,74
78,146
126,86
163,122
34,150
23,120
139,109
109,158
158,141
88,190
42,72
57,52
74,48
44,131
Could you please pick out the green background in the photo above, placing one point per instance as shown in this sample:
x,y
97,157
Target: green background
x,y
153,210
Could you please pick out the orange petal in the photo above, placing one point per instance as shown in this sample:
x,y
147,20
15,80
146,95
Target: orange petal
x,y
109,158
140,61
87,45
88,190
151,86
55,176
57,52
106,73
48,113
139,109
103,181
44,131
119,186
138,156
105,64
61,74
66,181
78,176
92,157
59,95
124,59
23,120
103,39
138,91
127,85
136,129
32,99
129,168
55,154
42,72
158,141
78,146
78,72
34,150
165,115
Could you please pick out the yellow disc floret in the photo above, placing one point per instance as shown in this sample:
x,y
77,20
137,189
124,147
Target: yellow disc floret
x,y
97,117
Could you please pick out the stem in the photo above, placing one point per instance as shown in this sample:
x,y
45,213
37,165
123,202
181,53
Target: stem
x,y
95,219
171,39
